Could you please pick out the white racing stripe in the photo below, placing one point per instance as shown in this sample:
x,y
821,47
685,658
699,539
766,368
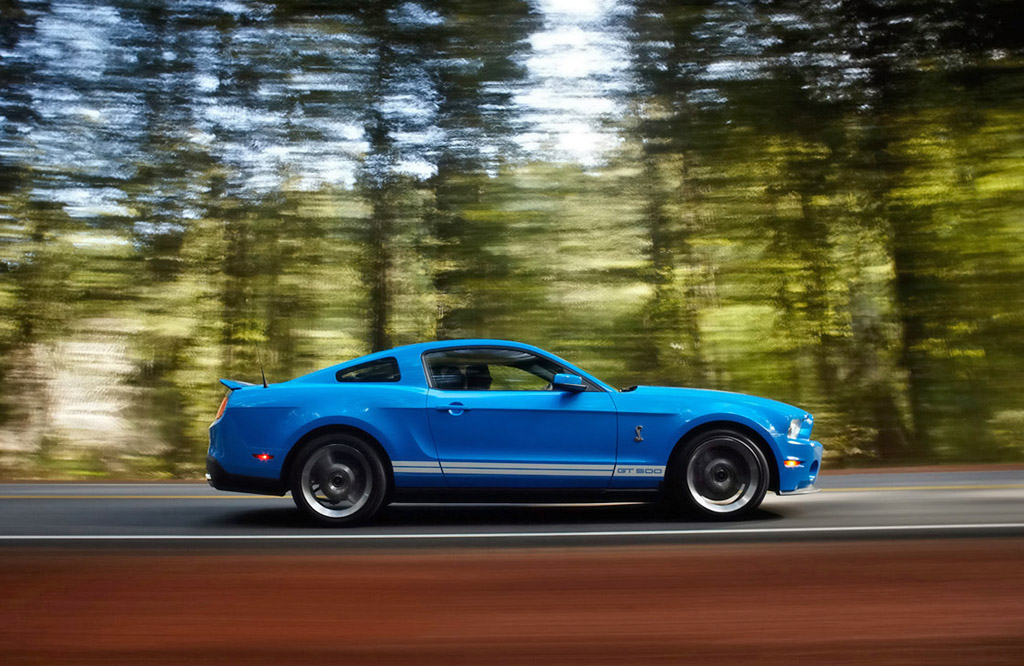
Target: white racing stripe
x,y
416,467
502,471
603,468
953,527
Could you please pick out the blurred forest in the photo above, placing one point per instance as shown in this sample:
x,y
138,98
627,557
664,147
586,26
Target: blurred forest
x,y
819,202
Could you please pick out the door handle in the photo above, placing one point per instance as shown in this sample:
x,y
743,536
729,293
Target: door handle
x,y
455,409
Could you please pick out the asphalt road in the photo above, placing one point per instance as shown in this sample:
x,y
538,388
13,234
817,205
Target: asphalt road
x,y
850,506
877,568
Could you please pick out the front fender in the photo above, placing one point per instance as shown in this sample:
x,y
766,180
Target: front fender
x,y
749,417
665,417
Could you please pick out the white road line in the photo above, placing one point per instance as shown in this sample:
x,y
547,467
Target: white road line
x,y
505,535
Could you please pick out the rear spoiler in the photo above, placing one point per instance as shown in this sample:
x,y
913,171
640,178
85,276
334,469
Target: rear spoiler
x,y
234,385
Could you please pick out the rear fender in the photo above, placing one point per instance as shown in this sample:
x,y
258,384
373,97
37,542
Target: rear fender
x,y
340,422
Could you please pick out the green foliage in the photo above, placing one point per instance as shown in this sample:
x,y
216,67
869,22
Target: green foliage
x,y
820,204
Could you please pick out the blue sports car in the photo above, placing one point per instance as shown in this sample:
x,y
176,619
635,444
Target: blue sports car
x,y
493,419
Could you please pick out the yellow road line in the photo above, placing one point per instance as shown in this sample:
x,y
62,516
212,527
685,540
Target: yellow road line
x,y
244,496
1001,486
140,497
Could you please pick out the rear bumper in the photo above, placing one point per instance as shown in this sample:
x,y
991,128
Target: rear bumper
x,y
222,480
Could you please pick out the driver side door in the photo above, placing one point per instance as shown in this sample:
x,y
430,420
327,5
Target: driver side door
x,y
497,424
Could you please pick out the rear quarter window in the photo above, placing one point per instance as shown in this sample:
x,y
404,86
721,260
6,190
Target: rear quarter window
x,y
380,370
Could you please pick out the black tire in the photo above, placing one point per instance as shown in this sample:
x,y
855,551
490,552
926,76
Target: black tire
x,y
339,479
721,474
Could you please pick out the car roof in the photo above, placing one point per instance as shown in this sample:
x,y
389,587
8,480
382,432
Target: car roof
x,y
420,347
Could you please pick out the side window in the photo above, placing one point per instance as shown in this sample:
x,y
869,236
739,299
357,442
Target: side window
x,y
512,378
488,369
381,370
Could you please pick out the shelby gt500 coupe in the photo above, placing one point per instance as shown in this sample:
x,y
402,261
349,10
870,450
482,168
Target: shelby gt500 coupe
x,y
496,419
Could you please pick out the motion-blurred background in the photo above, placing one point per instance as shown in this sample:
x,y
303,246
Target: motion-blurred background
x,y
820,202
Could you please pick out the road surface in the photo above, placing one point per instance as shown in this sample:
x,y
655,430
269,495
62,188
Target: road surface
x,y
877,568
987,503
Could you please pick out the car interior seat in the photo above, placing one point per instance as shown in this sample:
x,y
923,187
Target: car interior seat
x,y
449,377
478,377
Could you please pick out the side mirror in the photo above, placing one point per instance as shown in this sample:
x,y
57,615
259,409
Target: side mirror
x,y
565,382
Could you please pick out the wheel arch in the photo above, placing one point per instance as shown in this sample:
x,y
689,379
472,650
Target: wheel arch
x,y
300,443
727,424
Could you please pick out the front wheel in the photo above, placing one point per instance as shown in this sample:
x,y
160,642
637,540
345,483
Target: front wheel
x,y
721,474
339,479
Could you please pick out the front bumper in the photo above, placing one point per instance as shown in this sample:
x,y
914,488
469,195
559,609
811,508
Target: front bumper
x,y
806,490
798,480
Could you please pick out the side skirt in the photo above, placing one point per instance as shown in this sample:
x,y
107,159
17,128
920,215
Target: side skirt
x,y
522,495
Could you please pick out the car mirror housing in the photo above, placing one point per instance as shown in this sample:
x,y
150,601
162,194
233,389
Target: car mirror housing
x,y
567,382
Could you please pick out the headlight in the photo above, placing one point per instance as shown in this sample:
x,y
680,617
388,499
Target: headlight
x,y
794,428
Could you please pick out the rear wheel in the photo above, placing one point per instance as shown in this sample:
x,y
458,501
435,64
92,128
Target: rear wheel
x,y
721,474
339,479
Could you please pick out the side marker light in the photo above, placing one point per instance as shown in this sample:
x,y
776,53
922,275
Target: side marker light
x,y
263,456
793,463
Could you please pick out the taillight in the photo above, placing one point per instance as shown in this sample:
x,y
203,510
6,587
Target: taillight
x,y
223,404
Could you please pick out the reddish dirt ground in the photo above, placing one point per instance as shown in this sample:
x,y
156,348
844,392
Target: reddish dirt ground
x,y
883,602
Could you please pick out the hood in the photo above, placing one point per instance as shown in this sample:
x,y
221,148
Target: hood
x,y
721,397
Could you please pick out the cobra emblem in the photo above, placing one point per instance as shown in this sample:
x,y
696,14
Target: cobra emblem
x,y
639,436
